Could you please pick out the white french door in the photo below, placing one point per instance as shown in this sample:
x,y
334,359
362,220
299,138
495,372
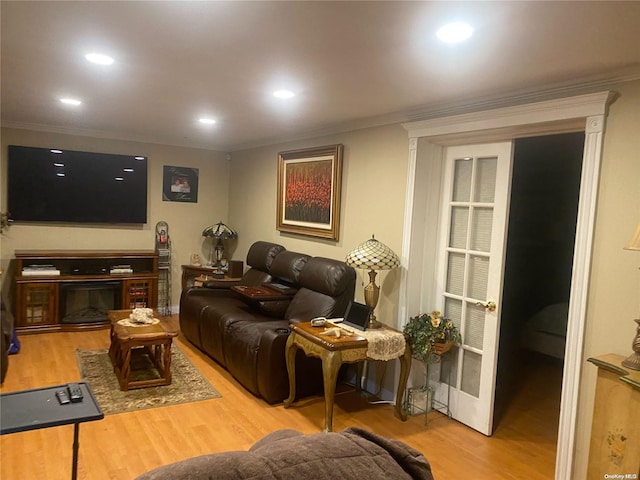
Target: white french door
x,y
469,274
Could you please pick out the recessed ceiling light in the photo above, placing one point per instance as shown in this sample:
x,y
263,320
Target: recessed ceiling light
x,y
284,94
139,158
55,151
128,169
70,101
207,121
99,58
454,32
119,179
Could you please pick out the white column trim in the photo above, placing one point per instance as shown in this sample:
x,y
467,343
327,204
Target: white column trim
x,y
573,362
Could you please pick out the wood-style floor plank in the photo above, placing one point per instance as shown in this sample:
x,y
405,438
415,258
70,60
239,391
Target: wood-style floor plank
x,y
125,445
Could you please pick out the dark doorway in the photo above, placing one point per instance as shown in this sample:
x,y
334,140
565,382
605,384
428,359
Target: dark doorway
x,y
542,222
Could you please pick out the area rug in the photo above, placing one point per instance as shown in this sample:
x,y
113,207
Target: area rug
x,y
187,383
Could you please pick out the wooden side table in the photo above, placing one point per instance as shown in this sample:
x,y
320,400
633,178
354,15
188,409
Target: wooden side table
x,y
195,275
154,340
334,352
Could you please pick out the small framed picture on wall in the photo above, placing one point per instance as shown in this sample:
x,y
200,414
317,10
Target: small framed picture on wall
x,y
180,184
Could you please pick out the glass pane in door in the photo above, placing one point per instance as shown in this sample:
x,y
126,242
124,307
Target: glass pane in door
x,y
485,184
459,227
481,225
471,365
462,180
455,279
474,327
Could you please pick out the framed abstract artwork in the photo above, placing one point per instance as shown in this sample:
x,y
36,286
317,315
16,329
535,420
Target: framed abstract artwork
x,y
309,187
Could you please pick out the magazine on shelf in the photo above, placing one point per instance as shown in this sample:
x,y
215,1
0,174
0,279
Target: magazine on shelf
x,y
40,272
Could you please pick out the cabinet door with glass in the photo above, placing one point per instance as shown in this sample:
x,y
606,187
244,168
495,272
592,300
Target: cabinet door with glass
x,y
37,304
139,293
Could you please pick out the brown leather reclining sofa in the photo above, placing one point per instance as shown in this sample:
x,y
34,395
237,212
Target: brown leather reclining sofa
x,y
248,337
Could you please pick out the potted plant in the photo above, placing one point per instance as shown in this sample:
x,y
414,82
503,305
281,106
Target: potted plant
x,y
429,334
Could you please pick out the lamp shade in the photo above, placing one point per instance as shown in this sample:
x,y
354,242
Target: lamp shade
x,y
634,244
219,230
373,255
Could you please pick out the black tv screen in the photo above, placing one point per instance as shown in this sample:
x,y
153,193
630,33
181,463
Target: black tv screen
x,y
56,185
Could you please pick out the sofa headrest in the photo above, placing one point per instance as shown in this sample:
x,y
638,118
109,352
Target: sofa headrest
x,y
261,255
328,276
288,265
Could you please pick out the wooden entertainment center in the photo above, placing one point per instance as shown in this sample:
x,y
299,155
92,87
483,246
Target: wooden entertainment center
x,y
46,279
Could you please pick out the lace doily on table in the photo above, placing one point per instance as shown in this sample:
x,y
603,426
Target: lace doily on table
x,y
127,322
139,317
383,344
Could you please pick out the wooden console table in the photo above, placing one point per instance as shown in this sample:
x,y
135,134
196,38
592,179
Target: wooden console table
x,y
334,352
38,295
194,275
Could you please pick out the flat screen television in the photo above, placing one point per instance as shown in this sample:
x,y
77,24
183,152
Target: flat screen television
x,y
56,185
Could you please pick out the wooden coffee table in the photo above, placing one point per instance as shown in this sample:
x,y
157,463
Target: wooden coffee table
x,y
152,340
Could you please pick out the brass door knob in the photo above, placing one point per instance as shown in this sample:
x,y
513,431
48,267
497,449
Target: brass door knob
x,y
490,305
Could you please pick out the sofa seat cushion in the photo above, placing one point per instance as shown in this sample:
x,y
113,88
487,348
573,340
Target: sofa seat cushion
x,y
354,453
215,321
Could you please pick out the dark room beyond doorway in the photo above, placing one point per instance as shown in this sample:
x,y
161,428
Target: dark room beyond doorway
x,y
543,210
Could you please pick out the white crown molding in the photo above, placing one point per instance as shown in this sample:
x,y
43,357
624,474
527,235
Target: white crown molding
x,y
85,132
552,91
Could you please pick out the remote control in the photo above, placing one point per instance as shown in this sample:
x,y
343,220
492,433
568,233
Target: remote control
x,y
318,322
75,393
63,398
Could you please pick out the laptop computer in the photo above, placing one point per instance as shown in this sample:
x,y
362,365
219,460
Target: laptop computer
x,y
357,315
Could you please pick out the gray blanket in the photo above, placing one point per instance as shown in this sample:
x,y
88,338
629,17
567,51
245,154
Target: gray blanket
x,y
351,454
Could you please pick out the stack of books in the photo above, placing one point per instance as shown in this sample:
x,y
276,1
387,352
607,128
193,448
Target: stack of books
x,y
44,270
116,269
164,259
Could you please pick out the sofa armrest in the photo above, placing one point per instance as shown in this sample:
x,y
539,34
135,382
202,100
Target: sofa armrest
x,y
220,284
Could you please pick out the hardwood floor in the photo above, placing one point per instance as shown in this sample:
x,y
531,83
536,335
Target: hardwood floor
x,y
125,445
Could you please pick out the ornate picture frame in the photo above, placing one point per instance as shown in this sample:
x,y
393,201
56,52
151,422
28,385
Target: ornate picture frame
x,y
309,190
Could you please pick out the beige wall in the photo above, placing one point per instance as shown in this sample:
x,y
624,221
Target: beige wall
x,y
373,193
373,190
186,220
614,293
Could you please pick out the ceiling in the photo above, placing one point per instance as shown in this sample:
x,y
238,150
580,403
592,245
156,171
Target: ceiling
x,y
352,64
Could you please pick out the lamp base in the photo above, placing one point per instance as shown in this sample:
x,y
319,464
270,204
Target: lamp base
x,y
373,323
371,294
633,361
